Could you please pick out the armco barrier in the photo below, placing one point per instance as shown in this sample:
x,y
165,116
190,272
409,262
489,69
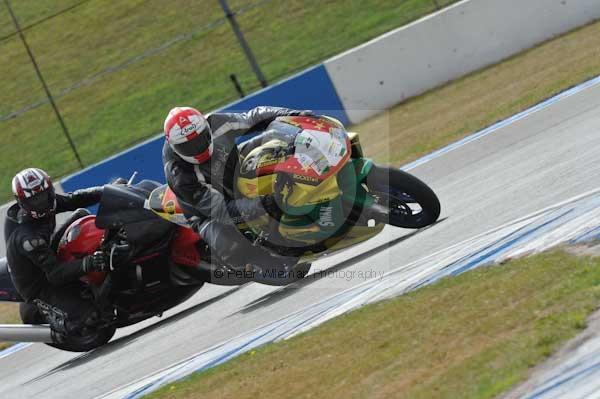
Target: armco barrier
x,y
310,89
447,45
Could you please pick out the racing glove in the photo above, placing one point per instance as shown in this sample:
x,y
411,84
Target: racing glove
x,y
96,262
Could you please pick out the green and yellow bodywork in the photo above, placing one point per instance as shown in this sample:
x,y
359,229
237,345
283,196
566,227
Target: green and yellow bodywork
x,y
314,209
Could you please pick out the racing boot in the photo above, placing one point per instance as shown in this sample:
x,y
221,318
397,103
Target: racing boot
x,y
229,247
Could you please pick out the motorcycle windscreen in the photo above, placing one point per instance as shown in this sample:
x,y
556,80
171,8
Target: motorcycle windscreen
x,y
121,205
124,206
8,292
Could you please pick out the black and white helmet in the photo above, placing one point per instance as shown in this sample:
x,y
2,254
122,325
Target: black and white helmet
x,y
34,192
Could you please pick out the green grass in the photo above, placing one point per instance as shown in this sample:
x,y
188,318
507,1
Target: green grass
x,y
122,108
9,314
472,336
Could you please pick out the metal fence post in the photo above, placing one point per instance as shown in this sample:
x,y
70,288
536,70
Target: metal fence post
x,y
237,85
44,85
240,37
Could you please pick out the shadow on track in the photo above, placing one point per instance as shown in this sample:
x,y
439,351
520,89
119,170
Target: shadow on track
x,y
119,343
288,290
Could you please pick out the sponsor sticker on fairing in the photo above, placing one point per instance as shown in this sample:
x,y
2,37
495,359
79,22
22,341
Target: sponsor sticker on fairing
x,y
320,150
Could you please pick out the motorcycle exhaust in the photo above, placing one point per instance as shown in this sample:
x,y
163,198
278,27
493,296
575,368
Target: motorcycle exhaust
x,y
26,333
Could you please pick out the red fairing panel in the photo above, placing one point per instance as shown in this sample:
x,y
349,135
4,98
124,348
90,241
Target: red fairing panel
x,y
183,248
82,238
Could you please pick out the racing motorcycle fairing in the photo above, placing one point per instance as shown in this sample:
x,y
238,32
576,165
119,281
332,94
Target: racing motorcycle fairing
x,y
164,203
184,248
317,174
82,238
309,150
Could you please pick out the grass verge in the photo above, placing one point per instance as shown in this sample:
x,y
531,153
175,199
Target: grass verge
x,y
472,336
9,314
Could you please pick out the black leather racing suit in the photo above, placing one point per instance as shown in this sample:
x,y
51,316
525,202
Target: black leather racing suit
x,y
201,187
34,268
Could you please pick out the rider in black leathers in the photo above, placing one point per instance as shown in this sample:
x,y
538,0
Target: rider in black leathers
x,y
31,245
196,170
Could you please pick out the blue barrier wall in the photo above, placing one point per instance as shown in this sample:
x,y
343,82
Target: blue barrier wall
x,y
144,158
310,89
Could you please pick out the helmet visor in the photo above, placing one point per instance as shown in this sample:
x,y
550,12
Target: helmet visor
x,y
41,202
194,147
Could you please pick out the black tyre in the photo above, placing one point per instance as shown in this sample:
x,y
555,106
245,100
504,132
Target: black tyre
x,y
88,342
31,315
401,199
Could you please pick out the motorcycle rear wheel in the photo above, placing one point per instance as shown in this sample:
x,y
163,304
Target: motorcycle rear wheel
x,y
71,343
401,199
86,343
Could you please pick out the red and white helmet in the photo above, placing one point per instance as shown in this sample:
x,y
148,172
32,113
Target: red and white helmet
x,y
189,134
34,192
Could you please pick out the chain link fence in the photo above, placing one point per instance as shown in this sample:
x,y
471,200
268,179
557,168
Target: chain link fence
x,y
115,68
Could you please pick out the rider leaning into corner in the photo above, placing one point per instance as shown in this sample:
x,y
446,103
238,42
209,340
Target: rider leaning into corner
x,y
48,286
196,156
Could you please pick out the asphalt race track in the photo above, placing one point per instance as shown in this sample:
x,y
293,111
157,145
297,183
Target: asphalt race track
x,y
545,158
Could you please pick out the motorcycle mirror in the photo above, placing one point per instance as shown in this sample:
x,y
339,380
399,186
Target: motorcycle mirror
x,y
132,178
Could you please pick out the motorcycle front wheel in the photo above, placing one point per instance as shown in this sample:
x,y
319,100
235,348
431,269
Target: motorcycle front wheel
x,y
401,199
